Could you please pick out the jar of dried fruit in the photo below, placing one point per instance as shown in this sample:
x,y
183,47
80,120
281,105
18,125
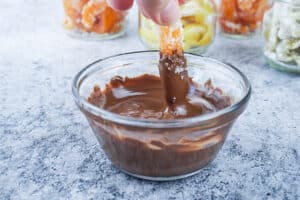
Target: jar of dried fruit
x,y
198,18
93,19
282,35
240,18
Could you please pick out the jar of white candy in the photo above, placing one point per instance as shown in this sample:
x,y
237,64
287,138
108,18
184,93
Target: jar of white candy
x,y
282,35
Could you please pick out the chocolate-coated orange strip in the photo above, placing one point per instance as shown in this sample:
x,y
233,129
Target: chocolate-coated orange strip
x,y
172,66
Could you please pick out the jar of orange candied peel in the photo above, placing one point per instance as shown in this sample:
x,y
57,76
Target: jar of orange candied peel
x,y
240,18
93,19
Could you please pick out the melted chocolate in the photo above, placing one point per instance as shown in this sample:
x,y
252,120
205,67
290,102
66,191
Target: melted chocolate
x,y
174,77
157,152
144,97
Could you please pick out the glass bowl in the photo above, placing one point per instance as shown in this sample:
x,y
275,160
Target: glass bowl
x,y
161,149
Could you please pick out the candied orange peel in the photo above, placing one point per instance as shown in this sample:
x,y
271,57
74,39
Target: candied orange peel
x,y
171,39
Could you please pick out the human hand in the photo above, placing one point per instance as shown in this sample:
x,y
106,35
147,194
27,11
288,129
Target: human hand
x,y
163,12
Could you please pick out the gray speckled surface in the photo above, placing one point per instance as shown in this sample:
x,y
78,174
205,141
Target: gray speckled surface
x,y
48,151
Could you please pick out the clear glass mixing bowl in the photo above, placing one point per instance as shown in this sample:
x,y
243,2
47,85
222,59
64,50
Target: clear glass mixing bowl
x,y
161,149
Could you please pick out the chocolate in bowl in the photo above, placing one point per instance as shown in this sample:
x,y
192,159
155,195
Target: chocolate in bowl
x,y
164,149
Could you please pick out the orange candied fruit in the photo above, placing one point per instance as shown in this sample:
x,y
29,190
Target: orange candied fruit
x,y
242,16
171,40
92,16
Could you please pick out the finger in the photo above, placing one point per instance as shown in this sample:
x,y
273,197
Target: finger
x,y
152,7
163,12
120,4
170,14
144,12
181,2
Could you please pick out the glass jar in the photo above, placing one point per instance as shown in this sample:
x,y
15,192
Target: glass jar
x,y
198,18
93,19
242,18
282,35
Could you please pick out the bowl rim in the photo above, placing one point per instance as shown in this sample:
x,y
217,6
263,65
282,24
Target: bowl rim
x,y
206,119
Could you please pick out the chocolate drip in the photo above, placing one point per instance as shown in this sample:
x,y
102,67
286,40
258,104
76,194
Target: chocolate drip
x,y
174,77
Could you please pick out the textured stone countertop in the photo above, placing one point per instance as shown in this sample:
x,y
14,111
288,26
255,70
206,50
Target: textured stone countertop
x,y
48,151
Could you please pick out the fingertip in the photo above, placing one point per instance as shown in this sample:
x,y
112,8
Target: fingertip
x,y
170,14
144,12
120,4
162,12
